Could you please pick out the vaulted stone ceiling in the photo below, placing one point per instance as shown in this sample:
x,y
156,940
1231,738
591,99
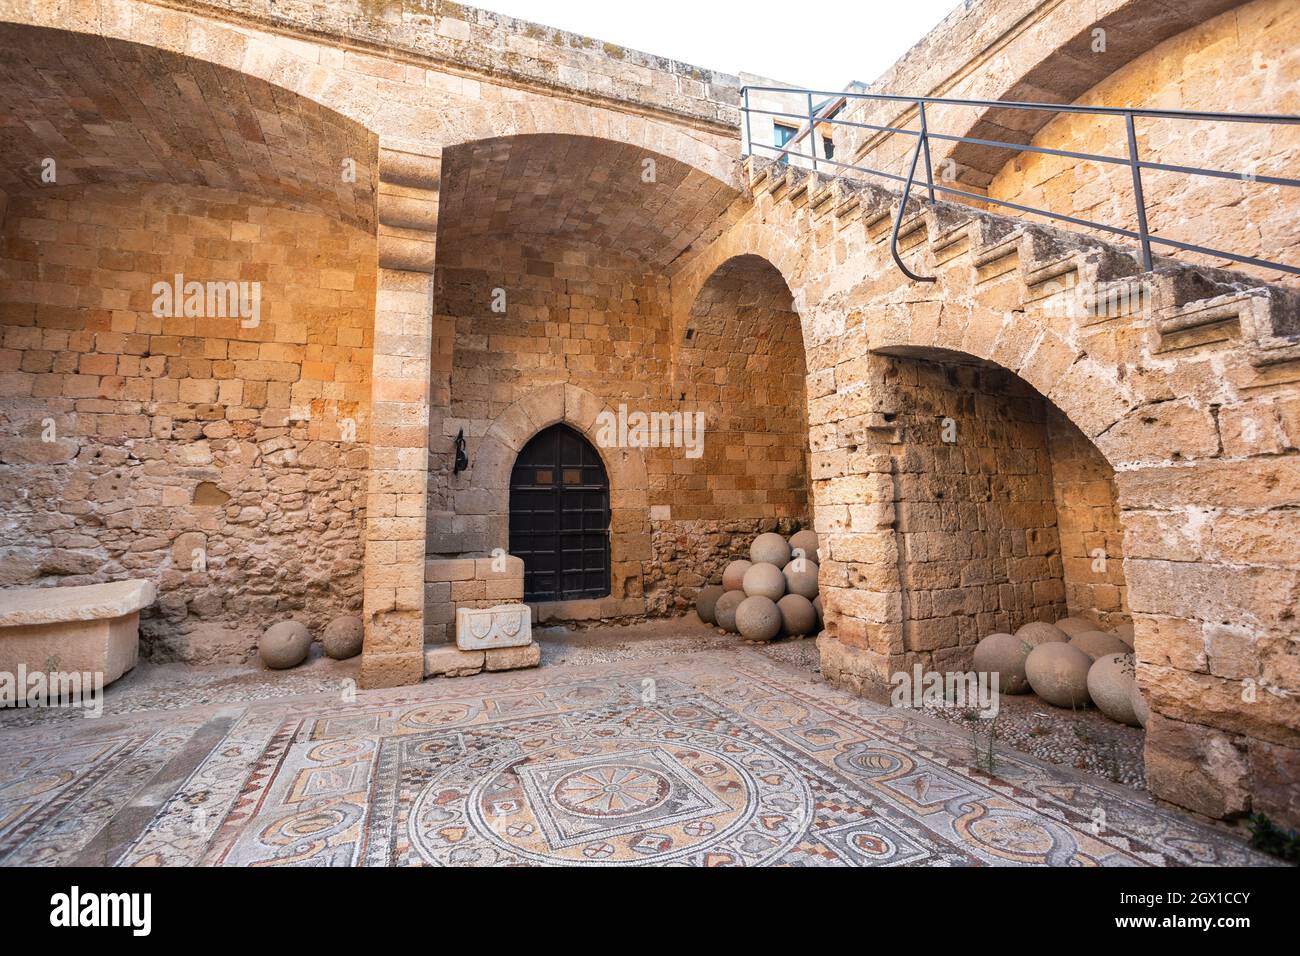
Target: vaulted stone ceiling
x,y
109,111
580,191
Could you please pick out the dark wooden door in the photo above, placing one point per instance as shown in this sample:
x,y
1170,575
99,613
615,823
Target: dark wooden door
x,y
559,517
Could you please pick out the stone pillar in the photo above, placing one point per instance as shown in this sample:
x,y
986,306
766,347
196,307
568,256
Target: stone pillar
x,y
854,493
396,505
1213,580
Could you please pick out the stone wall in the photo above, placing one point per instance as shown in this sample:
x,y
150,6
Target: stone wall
x,y
1186,389
989,494
1088,525
224,463
1245,60
512,50
599,323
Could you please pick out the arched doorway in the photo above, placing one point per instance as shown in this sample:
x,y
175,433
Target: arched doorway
x,y
559,517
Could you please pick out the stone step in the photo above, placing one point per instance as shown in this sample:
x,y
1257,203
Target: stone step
x,y
1191,305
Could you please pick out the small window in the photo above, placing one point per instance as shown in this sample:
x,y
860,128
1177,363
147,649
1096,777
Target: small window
x,y
783,133
828,147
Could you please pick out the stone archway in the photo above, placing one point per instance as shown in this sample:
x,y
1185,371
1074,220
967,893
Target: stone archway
x,y
1180,378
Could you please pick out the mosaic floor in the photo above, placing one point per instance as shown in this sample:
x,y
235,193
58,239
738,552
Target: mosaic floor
x,y
720,758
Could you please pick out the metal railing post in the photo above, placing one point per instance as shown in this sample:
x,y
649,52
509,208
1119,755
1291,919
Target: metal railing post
x,y
1144,236
898,219
749,135
812,132
925,140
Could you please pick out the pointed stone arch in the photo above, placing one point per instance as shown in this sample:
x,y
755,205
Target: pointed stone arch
x,y
492,456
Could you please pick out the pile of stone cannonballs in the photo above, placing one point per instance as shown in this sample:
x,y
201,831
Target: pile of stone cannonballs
x,y
286,644
1071,663
771,594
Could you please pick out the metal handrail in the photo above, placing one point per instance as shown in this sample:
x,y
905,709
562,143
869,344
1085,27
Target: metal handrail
x,y
1133,161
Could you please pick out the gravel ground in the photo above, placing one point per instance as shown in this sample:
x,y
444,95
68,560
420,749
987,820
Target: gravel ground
x,y
1083,739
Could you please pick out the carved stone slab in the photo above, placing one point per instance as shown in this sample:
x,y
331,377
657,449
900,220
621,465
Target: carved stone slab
x,y
506,625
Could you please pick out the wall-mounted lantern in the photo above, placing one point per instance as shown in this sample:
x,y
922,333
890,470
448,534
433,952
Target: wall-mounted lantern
x,y
462,460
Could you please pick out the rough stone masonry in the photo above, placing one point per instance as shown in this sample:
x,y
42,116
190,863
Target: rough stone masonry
x,y
463,224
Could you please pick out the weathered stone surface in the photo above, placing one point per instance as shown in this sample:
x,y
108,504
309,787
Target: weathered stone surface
x,y
801,577
1004,655
91,602
725,609
706,603
448,661
1197,767
1098,644
504,625
1138,702
733,578
1038,632
1111,682
770,548
284,645
1274,770
1006,444
512,658
342,637
764,580
758,618
1058,673
1073,626
807,542
798,616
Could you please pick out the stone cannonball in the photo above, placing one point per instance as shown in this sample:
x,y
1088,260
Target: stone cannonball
x,y
724,611
1036,632
801,582
1141,709
805,541
758,618
1097,644
817,606
734,576
764,580
706,600
770,548
1111,680
1004,655
1075,625
342,637
284,645
798,616
1125,632
1058,673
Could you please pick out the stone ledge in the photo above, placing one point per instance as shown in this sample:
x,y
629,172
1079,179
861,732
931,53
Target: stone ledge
x,y
513,658
587,609
449,661
90,602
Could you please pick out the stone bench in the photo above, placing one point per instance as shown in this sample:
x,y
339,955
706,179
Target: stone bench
x,y
91,628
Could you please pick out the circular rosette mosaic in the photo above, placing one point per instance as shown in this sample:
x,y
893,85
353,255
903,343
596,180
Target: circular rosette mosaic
x,y
681,795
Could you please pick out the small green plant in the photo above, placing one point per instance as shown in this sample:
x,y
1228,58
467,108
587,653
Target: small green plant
x,y
1267,837
983,755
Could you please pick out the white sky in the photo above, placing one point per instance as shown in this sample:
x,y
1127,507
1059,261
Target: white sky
x,y
819,45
